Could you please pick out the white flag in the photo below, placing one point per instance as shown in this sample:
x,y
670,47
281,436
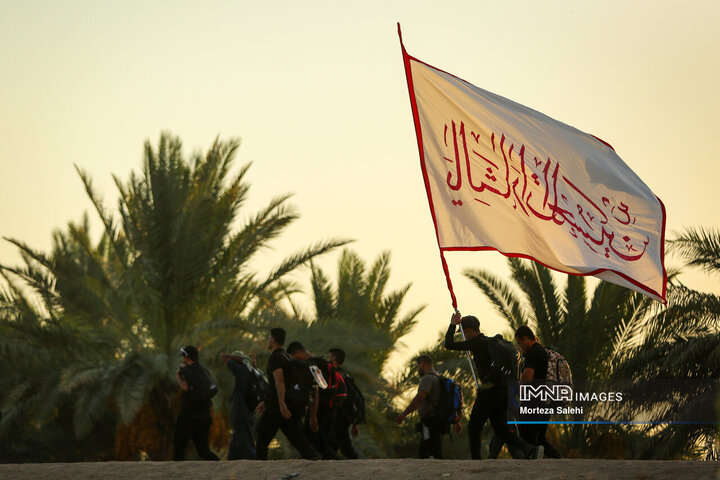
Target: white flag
x,y
501,176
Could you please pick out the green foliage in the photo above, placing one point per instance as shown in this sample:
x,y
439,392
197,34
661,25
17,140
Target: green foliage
x,y
99,333
680,352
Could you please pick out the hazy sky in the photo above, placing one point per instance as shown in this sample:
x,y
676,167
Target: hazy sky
x,y
317,93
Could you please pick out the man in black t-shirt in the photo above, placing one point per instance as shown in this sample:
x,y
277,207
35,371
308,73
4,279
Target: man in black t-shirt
x,y
535,367
194,420
276,414
492,395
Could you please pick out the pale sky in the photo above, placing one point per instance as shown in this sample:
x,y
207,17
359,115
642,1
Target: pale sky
x,y
317,93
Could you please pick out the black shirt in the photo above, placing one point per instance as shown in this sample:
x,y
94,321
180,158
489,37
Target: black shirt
x,y
537,359
479,347
189,406
278,359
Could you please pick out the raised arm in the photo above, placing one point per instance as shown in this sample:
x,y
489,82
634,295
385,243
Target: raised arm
x,y
450,342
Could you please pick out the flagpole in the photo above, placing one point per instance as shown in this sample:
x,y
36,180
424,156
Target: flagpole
x,y
470,361
408,75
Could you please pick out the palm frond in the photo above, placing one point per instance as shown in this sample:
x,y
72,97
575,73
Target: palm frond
x,y
700,247
322,293
501,295
300,258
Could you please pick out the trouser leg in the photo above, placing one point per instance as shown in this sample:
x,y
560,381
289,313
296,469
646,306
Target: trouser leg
x,y
181,438
422,447
341,434
200,438
535,434
514,451
320,439
267,427
293,430
495,446
530,433
550,450
431,438
497,401
478,417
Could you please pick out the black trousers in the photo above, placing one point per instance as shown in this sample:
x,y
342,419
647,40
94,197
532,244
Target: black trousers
x,y
321,439
340,438
535,434
431,432
491,403
197,429
496,445
271,421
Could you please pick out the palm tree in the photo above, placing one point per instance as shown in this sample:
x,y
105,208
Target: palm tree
x,y
591,332
37,416
171,267
676,364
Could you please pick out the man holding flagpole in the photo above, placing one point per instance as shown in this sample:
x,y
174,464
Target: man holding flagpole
x,y
492,397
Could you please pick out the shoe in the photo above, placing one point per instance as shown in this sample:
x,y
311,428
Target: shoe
x,y
536,453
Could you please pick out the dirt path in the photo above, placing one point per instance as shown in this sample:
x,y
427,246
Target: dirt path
x,y
369,469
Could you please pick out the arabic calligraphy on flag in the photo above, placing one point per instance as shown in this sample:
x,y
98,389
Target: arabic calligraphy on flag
x,y
501,176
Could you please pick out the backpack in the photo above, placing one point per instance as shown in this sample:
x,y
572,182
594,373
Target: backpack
x,y
336,392
300,379
558,370
450,402
257,387
353,408
201,385
504,360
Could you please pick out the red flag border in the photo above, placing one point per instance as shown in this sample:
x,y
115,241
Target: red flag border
x,y
418,133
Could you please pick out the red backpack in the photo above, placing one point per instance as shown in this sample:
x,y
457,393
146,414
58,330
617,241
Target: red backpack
x,y
337,387
336,391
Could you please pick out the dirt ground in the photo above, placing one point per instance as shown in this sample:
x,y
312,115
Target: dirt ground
x,y
368,469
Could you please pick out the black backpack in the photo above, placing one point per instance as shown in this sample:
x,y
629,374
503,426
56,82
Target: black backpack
x,y
299,383
353,408
504,360
201,385
256,389
450,402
